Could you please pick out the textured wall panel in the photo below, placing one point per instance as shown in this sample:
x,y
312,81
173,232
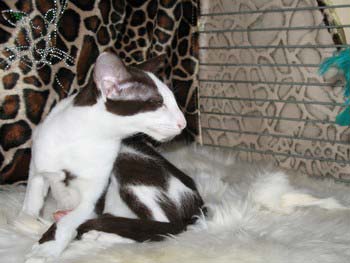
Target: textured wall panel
x,y
260,92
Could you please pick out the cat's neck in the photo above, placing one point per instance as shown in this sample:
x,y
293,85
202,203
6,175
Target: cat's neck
x,y
90,121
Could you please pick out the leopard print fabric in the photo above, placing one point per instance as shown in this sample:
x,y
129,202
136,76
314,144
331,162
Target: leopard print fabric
x,y
134,29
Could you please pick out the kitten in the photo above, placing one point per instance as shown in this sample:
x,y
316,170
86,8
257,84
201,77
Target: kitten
x,y
75,152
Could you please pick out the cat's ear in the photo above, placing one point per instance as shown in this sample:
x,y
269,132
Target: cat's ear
x,y
109,74
153,64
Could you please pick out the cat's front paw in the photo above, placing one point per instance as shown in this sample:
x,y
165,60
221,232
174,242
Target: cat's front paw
x,y
42,252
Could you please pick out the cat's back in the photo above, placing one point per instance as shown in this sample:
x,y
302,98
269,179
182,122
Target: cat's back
x,y
66,136
49,137
52,119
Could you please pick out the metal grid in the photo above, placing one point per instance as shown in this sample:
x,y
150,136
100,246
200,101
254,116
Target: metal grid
x,y
208,33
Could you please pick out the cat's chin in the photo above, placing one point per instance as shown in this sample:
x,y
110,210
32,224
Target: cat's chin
x,y
163,136
167,139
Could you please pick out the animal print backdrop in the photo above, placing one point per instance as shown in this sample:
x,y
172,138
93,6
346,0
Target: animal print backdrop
x,y
135,29
255,109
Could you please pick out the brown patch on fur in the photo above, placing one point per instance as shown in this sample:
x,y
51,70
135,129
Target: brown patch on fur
x,y
133,170
131,107
169,208
135,205
148,150
100,204
88,95
141,77
137,229
69,177
142,85
49,234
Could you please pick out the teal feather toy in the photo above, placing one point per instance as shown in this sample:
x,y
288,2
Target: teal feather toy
x,y
341,60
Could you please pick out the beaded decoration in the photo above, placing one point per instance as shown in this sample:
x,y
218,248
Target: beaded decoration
x,y
37,52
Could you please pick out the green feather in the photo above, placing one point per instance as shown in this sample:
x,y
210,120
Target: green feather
x,y
343,118
340,60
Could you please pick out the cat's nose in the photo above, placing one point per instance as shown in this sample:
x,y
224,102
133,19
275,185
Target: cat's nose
x,y
181,124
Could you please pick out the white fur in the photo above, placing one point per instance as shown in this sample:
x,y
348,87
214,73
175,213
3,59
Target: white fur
x,y
177,190
149,196
67,198
239,229
114,204
85,141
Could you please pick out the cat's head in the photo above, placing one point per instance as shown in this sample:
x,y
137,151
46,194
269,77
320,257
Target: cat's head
x,y
144,102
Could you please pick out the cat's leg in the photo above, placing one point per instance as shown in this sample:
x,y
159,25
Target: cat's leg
x,y
90,191
35,194
37,188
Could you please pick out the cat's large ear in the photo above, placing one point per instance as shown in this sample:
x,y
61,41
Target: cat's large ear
x,y
153,64
110,74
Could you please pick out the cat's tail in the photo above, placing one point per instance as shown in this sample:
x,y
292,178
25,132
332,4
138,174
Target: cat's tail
x,y
139,230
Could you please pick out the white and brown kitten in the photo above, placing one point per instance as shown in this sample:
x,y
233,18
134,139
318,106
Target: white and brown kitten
x,y
75,154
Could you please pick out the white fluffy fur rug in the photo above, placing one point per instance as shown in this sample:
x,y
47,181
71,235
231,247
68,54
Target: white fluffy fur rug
x,y
255,215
